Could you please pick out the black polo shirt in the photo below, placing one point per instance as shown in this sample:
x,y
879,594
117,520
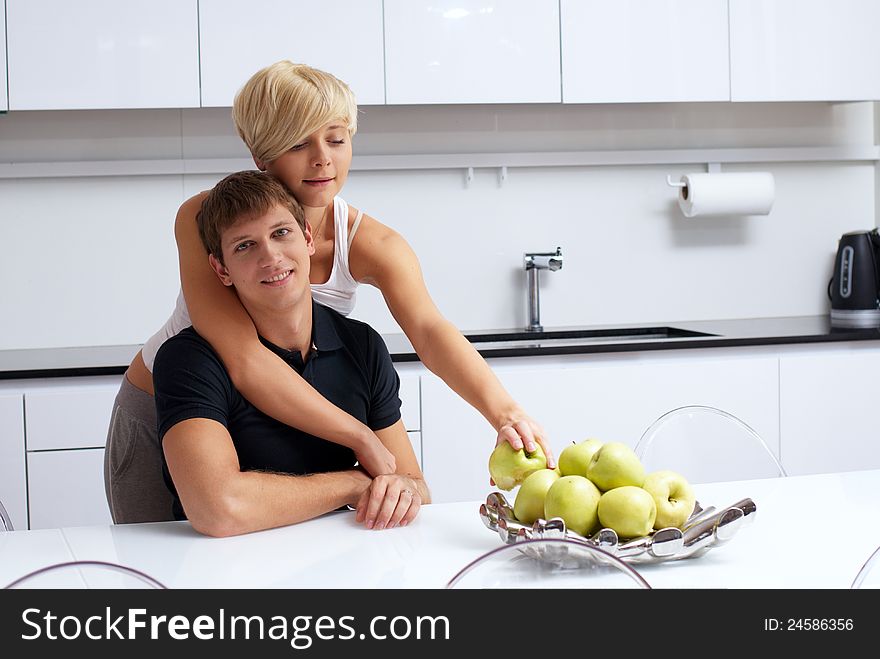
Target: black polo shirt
x,y
350,366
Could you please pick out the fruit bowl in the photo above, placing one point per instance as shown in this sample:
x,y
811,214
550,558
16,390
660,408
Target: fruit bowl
x,y
705,529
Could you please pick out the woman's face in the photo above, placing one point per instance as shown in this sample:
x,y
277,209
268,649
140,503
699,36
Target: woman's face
x,y
315,169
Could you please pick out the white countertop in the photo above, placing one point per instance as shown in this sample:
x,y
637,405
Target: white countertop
x,y
808,532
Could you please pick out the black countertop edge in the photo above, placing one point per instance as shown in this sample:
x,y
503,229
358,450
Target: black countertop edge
x,y
114,360
66,372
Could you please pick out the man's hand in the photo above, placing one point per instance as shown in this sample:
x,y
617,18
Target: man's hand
x,y
520,430
374,457
390,500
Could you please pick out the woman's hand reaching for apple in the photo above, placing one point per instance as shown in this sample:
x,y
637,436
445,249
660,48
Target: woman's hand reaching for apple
x,y
521,431
390,500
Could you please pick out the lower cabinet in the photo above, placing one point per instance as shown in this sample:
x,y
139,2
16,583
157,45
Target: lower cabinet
x,y
66,488
12,469
829,411
609,401
52,436
815,406
66,429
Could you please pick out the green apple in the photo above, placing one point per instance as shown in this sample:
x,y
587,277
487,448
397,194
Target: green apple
x,y
629,510
614,465
673,495
509,467
529,504
575,499
575,458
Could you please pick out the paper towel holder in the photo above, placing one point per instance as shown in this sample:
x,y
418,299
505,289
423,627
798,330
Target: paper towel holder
x,y
711,168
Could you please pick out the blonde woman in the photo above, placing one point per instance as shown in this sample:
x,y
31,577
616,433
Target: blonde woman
x,y
298,123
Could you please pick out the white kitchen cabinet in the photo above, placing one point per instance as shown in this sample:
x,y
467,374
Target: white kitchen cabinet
x,y
828,411
644,51
66,422
12,465
102,54
343,38
609,401
75,414
4,96
472,51
410,402
66,488
804,50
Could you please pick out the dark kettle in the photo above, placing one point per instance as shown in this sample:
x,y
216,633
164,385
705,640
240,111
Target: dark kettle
x,y
854,289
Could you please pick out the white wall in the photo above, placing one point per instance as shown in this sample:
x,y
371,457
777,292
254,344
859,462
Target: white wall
x,y
91,261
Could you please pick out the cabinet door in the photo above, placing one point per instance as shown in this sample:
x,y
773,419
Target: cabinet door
x,y
13,494
410,402
70,417
828,412
610,402
343,38
644,51
472,51
102,54
804,50
66,488
4,97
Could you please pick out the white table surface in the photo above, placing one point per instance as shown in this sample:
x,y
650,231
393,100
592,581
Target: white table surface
x,y
808,532
22,552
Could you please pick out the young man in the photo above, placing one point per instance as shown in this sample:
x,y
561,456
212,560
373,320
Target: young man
x,y
233,469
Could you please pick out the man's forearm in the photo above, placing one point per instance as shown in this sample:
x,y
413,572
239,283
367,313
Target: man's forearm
x,y
254,501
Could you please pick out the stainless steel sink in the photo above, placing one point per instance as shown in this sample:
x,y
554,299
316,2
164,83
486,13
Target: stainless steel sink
x,y
560,338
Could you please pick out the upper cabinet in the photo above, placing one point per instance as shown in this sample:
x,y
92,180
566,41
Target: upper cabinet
x,y
106,54
4,98
102,54
804,50
472,51
343,38
644,51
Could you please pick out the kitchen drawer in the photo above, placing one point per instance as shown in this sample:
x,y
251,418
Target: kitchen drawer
x,y
411,402
66,488
75,417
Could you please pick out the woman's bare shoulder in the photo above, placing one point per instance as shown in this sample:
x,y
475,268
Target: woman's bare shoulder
x,y
368,259
370,227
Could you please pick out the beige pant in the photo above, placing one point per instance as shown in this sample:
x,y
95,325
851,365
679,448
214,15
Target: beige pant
x,y
136,491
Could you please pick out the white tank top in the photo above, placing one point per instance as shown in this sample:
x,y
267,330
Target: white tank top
x,y
339,292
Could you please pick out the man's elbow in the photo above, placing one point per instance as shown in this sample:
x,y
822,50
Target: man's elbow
x,y
221,517
244,370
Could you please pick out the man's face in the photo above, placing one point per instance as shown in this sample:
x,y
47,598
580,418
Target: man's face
x,y
316,169
267,260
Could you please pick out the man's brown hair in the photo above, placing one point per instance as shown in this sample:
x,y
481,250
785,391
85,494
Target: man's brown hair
x,y
241,196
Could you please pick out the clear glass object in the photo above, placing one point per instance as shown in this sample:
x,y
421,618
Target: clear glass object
x,y
869,574
706,445
547,563
5,522
86,574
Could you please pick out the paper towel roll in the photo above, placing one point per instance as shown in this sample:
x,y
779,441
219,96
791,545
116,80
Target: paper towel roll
x,y
735,193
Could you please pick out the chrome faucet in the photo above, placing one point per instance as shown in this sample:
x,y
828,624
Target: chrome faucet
x,y
533,262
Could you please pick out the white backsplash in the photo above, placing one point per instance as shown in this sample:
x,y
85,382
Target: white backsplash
x,y
91,261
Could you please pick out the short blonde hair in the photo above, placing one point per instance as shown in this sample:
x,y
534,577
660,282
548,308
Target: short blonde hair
x,y
284,103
